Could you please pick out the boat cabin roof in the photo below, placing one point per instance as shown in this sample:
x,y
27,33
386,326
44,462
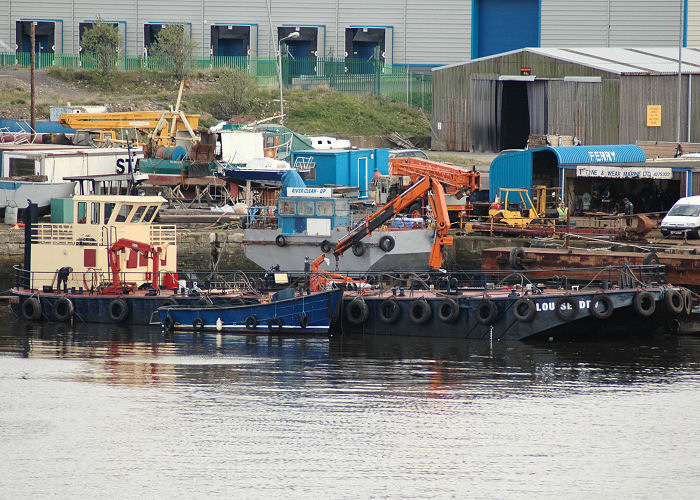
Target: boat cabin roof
x,y
112,198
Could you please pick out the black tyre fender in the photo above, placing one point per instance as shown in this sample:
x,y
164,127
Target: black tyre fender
x,y
448,310
651,259
387,243
359,249
524,309
63,309
515,257
303,320
389,311
168,302
281,241
357,311
687,301
251,322
168,323
326,246
674,326
419,311
674,301
601,298
31,309
486,312
198,324
644,304
118,310
566,313
274,323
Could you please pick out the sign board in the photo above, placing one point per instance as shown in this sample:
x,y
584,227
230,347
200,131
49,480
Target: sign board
x,y
623,172
310,192
654,115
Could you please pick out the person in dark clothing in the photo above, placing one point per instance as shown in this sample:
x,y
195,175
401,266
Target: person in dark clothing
x,y
629,207
63,274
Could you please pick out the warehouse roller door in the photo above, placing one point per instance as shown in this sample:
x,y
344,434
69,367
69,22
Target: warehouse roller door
x,y
503,25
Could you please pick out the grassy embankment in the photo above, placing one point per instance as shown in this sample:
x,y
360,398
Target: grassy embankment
x,y
217,96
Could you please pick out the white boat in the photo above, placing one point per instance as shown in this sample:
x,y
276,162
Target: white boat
x,y
17,192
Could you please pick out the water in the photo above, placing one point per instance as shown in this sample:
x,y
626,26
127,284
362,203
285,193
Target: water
x,y
109,412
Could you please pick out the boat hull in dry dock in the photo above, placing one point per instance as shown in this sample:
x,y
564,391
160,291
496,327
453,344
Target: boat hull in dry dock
x,y
411,250
492,315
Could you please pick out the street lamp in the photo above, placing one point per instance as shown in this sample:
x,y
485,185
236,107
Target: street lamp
x,y
291,36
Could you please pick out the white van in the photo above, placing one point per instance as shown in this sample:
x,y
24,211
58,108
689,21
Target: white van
x,y
683,218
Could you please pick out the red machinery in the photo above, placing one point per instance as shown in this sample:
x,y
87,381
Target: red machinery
x,y
115,262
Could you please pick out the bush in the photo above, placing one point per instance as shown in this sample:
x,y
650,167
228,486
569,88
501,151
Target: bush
x,y
173,43
101,44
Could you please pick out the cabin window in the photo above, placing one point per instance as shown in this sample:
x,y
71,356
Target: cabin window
x,y
149,213
124,211
82,212
95,213
287,207
21,166
342,207
138,213
109,208
306,208
324,208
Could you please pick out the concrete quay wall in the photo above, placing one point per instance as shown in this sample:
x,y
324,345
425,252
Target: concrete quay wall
x,y
195,250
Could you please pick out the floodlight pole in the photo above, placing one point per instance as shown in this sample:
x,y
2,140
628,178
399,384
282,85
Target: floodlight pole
x,y
292,35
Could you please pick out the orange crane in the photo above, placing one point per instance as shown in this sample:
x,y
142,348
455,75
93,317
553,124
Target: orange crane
x,y
426,186
115,262
457,181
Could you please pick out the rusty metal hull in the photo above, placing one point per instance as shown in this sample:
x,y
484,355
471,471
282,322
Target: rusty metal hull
x,y
681,269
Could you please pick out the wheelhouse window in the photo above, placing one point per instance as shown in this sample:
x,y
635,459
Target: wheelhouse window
x,y
109,208
94,213
324,208
82,212
306,208
287,207
138,213
150,213
124,212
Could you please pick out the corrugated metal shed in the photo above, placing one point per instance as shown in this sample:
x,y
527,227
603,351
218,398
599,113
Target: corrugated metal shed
x,y
515,170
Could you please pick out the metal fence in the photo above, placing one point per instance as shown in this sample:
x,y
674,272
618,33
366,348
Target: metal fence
x,y
344,75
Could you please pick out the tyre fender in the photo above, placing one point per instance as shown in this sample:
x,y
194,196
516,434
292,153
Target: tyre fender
x,y
31,309
387,243
419,311
281,241
357,312
566,313
63,309
674,301
644,304
118,310
448,310
389,311
198,324
524,309
251,323
486,312
601,298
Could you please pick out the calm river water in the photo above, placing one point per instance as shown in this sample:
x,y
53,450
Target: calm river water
x,y
108,412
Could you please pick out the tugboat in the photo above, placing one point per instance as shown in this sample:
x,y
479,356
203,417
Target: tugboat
x,y
102,260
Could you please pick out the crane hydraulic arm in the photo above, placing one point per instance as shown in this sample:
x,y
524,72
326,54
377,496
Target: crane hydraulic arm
x,y
436,197
115,264
455,179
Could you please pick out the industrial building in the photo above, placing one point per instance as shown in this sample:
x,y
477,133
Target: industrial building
x,y
420,33
599,95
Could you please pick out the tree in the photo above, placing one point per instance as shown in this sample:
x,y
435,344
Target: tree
x,y
233,94
174,42
102,43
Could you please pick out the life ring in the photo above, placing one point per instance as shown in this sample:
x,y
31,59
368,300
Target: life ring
x,y
651,259
303,320
63,309
274,322
281,241
357,312
198,324
389,311
118,310
168,323
644,304
687,301
448,310
251,323
486,312
674,301
606,301
168,302
515,257
359,249
570,309
31,309
387,243
524,309
326,246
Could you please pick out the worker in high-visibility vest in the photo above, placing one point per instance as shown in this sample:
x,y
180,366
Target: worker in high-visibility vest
x,y
563,212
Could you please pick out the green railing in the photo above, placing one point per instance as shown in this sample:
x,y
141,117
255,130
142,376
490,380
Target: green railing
x,y
343,75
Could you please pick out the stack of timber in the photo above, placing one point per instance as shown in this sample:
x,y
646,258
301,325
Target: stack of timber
x,y
667,149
